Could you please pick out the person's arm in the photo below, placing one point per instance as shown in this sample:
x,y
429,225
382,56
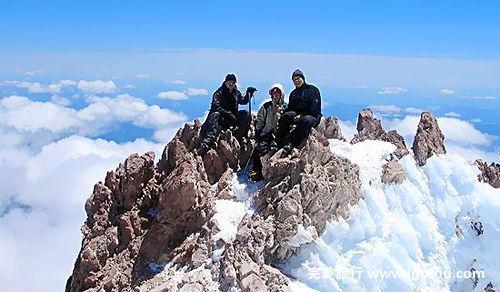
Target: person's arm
x,y
260,121
216,104
315,107
242,99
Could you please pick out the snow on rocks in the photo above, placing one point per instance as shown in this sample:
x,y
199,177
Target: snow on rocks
x,y
405,237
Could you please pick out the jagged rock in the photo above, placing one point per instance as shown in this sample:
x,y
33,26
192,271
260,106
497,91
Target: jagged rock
x,y
370,128
489,288
428,140
330,128
396,139
308,189
145,222
489,174
115,222
392,172
224,186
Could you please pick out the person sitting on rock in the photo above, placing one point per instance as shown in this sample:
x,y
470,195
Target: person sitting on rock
x,y
304,111
224,113
266,127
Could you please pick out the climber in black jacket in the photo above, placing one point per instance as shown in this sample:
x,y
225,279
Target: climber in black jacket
x,y
224,113
304,111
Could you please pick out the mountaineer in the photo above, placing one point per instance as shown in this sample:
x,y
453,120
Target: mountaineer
x,y
304,111
224,113
266,127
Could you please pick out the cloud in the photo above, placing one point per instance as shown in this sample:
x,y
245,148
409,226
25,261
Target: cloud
x,y
456,131
142,76
54,183
24,122
59,100
129,86
97,86
447,91
385,108
460,136
35,87
32,72
177,82
488,97
196,91
476,120
392,90
172,95
414,110
452,115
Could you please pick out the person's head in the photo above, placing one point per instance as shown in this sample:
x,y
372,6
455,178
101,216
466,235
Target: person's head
x,y
230,82
277,93
298,78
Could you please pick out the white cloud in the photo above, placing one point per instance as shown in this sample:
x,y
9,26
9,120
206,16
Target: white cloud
x,y
456,131
452,115
35,87
414,110
385,108
142,76
447,91
129,86
54,182
476,120
460,136
59,100
173,95
196,91
32,72
488,97
23,121
177,82
97,86
392,90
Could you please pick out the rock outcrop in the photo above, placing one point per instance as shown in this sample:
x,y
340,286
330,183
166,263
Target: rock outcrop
x,y
392,172
306,189
428,140
489,174
370,128
329,127
147,221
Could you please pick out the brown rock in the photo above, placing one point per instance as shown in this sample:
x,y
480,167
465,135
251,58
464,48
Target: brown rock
x,y
329,127
489,174
370,128
428,140
392,172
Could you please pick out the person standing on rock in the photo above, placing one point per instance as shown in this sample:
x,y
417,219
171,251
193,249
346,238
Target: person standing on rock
x,y
224,113
303,112
266,127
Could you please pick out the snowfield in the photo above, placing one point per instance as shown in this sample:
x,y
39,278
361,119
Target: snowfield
x,y
422,235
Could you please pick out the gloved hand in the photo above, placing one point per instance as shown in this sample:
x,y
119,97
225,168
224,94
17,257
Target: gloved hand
x,y
250,91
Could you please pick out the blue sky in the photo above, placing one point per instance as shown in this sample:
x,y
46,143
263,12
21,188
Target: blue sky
x,y
468,29
85,83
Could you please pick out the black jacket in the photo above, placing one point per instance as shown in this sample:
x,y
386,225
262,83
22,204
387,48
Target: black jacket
x,y
305,100
226,102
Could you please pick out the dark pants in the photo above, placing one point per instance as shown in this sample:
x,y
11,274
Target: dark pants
x,y
300,132
262,147
216,122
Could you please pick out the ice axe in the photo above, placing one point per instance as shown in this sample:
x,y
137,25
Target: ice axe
x,y
250,91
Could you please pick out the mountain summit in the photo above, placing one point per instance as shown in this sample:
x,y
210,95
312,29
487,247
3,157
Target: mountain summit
x,y
193,223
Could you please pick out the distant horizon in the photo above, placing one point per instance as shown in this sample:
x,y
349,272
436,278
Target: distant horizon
x,y
85,84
